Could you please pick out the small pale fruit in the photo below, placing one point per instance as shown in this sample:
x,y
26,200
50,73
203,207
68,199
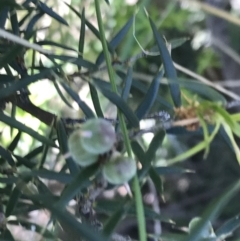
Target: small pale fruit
x,y
119,169
79,154
98,136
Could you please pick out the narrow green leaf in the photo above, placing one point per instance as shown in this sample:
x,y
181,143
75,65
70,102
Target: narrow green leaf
x,y
42,6
117,39
46,148
83,106
13,115
156,180
25,18
150,96
128,84
110,207
32,22
228,227
203,90
82,36
10,3
95,100
230,135
139,152
8,180
7,156
70,223
212,211
21,127
137,85
10,55
168,65
51,43
49,175
104,84
90,26
234,125
175,43
152,215
172,170
43,189
21,161
3,15
122,105
36,151
18,85
154,145
15,141
14,21
171,237
62,96
13,200
141,156
112,222
77,61
62,140
80,181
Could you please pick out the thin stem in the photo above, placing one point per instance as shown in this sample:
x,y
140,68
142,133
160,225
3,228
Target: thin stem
x,y
136,186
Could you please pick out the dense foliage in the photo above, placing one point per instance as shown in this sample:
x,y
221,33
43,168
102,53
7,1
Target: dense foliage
x,y
104,132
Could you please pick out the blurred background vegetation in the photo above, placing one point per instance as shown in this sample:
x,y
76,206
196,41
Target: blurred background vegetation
x,y
195,183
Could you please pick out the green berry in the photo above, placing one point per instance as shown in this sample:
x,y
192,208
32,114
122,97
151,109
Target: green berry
x,y
98,136
119,169
79,154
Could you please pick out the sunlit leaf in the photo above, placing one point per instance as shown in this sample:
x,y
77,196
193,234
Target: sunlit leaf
x,y
150,96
